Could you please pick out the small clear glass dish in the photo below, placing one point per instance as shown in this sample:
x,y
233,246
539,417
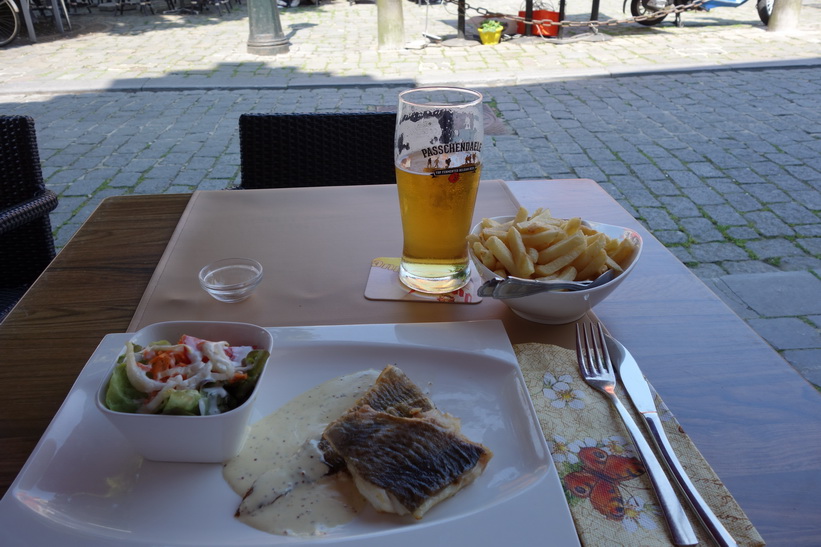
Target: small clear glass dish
x,y
231,279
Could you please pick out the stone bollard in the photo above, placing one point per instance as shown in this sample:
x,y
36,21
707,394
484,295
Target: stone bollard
x,y
390,24
785,16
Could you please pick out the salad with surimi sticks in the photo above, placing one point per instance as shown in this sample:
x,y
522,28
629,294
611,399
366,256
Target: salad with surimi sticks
x,y
192,377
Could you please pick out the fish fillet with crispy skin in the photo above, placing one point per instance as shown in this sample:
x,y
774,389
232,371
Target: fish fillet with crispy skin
x,y
406,465
392,392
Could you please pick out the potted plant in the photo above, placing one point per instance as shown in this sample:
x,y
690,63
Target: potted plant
x,y
490,31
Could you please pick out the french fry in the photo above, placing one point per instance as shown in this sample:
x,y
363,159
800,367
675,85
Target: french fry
x,y
572,225
595,245
567,273
613,265
521,215
541,240
561,261
623,252
543,215
501,252
521,260
540,246
533,226
497,231
594,268
587,230
563,247
484,254
488,223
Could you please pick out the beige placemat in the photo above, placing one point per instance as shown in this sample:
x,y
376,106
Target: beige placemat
x,y
597,463
315,245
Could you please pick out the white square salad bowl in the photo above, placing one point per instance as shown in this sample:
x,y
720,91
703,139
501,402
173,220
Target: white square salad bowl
x,y
185,438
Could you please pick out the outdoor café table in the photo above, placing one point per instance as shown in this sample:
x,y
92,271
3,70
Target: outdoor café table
x,y
755,420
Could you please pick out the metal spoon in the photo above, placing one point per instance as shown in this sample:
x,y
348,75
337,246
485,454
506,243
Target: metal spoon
x,y
517,287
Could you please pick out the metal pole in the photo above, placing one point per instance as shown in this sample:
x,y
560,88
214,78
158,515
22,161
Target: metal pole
x,y
460,22
562,11
265,37
529,18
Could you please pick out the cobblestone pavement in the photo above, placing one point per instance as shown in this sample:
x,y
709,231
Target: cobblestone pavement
x,y
337,44
710,134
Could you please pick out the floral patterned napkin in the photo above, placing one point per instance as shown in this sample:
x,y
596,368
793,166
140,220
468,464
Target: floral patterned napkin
x,y
610,497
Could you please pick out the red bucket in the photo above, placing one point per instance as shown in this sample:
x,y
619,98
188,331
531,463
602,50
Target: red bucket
x,y
545,29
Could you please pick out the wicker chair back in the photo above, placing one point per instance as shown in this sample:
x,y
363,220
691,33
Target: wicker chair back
x,y
333,149
26,241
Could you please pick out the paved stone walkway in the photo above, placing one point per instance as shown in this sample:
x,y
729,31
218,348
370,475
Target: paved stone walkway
x,y
336,44
709,134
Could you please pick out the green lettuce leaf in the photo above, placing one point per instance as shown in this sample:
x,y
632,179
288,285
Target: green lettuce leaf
x,y
120,395
182,401
240,391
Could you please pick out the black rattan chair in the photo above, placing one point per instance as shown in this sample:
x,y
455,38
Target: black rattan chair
x,y
26,241
334,149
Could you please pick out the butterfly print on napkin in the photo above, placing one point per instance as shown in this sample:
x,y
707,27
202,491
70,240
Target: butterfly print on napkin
x,y
599,478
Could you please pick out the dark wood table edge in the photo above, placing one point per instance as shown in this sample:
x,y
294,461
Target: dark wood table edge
x,y
147,224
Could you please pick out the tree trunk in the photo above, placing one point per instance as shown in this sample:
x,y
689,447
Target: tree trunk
x,y
785,16
391,24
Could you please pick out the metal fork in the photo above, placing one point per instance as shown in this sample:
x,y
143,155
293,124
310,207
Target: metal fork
x,y
597,370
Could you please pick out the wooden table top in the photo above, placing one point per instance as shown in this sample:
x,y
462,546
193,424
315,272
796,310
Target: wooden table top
x,y
90,289
756,421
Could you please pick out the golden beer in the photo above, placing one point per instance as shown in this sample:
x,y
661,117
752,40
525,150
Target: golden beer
x,y
438,160
437,210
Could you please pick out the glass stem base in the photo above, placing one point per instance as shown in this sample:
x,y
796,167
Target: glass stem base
x,y
432,279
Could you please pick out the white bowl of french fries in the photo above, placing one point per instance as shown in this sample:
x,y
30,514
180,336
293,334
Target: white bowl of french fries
x,y
541,247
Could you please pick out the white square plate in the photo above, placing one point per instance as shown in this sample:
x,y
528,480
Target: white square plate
x,y
84,486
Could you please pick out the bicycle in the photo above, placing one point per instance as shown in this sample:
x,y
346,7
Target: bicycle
x,y
9,21
653,15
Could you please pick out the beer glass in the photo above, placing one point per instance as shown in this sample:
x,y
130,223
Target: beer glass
x,y
438,157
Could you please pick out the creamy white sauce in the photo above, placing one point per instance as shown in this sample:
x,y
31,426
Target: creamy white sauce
x,y
292,494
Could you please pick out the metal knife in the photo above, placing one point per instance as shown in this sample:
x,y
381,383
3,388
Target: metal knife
x,y
639,392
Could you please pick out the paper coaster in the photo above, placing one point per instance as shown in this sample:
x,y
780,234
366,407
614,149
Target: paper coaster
x,y
384,284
